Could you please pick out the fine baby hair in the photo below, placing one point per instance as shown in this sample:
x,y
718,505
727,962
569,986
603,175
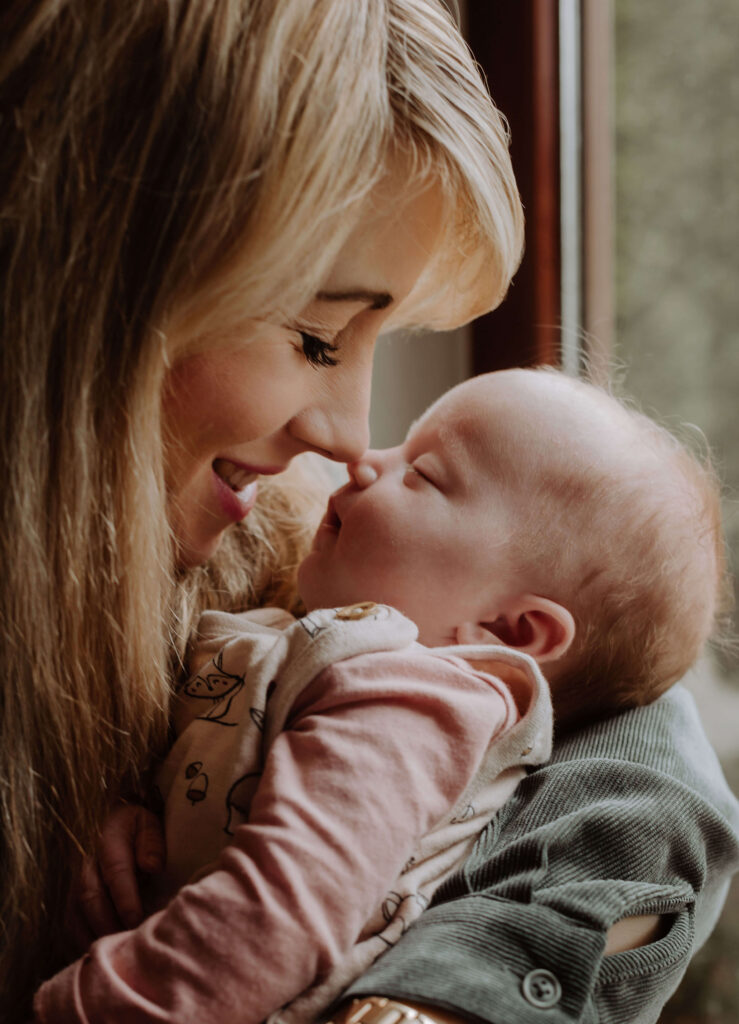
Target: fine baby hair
x,y
631,543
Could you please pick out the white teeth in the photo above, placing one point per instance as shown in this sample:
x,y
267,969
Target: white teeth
x,y
238,479
248,492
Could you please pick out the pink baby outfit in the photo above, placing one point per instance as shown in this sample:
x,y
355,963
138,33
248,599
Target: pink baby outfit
x,y
327,776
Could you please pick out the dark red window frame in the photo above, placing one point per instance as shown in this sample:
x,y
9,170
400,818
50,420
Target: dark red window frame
x,y
516,43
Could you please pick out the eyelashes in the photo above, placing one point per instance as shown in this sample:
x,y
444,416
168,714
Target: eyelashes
x,y
415,472
318,352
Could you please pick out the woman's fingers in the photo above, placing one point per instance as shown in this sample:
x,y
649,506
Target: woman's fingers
x,y
150,849
94,905
129,841
78,932
119,874
108,895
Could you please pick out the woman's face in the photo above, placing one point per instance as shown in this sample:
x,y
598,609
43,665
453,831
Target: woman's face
x,y
268,391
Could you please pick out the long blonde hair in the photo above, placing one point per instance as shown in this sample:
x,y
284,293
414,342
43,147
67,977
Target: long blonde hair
x,y
174,162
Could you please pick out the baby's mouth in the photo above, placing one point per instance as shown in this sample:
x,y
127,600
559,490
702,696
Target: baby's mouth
x,y
235,476
331,520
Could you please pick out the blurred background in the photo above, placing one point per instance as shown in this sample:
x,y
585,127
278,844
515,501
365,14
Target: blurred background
x,y
625,124
676,153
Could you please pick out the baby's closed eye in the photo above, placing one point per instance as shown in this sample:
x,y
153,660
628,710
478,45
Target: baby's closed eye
x,y
415,473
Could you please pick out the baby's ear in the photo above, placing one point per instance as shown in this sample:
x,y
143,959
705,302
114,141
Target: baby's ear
x,y
530,624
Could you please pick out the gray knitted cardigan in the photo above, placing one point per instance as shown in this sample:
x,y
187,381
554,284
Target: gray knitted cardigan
x,y
630,816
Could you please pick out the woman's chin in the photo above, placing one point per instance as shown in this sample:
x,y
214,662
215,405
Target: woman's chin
x,y
193,551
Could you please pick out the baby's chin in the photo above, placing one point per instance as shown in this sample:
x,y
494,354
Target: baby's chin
x,y
315,593
317,588
326,600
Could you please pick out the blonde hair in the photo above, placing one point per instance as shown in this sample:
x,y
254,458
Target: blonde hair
x,y
164,167
632,544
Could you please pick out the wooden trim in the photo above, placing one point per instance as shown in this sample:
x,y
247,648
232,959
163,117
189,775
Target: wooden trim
x,y
516,43
545,226
597,178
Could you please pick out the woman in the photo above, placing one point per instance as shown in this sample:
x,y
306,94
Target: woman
x,y
210,210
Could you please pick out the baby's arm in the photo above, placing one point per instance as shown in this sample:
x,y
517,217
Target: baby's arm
x,y
131,841
373,756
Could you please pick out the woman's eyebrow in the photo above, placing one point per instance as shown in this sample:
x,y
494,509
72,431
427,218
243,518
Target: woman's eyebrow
x,y
375,300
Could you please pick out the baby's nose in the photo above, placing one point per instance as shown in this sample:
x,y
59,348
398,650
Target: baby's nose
x,y
362,473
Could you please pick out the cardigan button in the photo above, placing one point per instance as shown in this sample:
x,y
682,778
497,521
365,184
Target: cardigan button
x,y
542,989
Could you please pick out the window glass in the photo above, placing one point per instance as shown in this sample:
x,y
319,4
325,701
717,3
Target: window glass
x,y
677,312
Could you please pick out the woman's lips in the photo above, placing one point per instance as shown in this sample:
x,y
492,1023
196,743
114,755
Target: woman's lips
x,y
238,474
235,505
236,486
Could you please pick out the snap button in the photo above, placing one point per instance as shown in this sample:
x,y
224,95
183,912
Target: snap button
x,y
357,611
542,989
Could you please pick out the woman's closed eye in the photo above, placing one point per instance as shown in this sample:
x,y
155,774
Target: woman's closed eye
x,y
317,351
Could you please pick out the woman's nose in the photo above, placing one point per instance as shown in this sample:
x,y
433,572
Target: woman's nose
x,y
341,438
336,423
350,437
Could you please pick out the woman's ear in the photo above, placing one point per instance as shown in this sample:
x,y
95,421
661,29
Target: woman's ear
x,y
530,624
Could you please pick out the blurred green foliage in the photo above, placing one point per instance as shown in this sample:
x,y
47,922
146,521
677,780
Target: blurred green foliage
x,y
677,300
677,217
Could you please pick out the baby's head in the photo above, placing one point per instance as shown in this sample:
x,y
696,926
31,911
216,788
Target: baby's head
x,y
534,510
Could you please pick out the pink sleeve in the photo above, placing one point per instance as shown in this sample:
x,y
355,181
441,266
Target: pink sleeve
x,y
378,748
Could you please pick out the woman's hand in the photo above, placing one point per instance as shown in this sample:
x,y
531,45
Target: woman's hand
x,y
107,897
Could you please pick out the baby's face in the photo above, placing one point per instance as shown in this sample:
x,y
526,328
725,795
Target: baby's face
x,y
425,526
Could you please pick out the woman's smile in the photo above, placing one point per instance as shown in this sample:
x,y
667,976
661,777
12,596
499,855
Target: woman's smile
x,y
237,486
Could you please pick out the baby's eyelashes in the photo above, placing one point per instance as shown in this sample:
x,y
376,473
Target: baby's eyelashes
x,y
420,474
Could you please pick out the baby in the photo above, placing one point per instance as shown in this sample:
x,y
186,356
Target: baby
x,y
529,509
330,772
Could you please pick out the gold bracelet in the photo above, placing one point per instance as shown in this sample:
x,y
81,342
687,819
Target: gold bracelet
x,y
379,1010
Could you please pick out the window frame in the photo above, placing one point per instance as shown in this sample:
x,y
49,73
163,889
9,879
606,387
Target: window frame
x,y
561,128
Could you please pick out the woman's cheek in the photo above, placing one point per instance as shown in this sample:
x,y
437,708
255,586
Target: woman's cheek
x,y
216,400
